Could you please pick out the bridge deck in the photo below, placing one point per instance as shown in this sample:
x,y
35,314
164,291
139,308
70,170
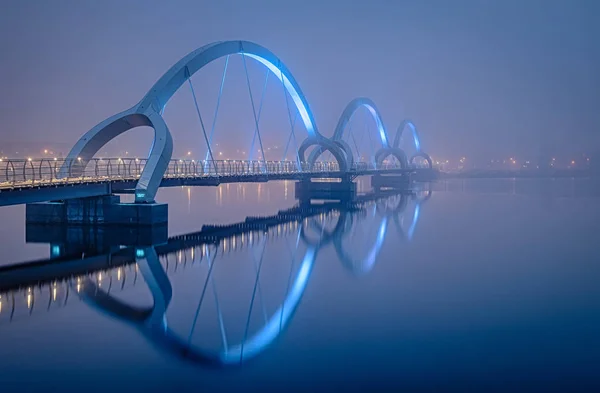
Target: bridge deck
x,y
33,181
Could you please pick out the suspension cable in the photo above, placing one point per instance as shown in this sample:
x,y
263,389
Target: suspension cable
x,y
260,106
264,243
212,128
292,123
202,124
211,264
254,110
287,145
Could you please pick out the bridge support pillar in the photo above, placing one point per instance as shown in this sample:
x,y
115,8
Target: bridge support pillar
x,y
424,175
306,190
103,210
390,181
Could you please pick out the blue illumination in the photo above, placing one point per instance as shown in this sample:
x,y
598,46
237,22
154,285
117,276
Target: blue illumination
x,y
139,195
413,225
380,127
279,319
139,253
374,252
55,251
415,136
280,74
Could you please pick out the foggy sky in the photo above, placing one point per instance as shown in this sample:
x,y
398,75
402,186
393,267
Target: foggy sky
x,y
478,77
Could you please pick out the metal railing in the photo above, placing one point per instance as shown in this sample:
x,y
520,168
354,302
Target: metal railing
x,y
16,173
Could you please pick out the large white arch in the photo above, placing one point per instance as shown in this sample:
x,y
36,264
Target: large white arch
x,y
153,325
176,76
148,113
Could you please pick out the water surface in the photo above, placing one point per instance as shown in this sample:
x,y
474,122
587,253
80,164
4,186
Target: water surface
x,y
477,285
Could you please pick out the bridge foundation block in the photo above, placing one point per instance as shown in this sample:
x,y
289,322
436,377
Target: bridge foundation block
x,y
340,190
103,210
390,181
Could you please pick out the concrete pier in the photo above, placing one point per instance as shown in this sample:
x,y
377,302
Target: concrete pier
x,y
330,190
390,181
75,240
102,210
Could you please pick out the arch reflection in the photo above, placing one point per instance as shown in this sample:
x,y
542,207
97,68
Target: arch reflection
x,y
311,228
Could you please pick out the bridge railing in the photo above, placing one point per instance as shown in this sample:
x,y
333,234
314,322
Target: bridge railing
x,y
47,171
27,172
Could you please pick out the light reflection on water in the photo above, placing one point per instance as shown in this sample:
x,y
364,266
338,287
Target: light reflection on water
x,y
466,275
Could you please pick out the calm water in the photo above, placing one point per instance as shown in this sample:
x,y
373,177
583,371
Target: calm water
x,y
476,286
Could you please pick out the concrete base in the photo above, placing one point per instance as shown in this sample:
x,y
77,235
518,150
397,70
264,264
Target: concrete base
x,y
307,190
103,210
75,240
390,181
425,175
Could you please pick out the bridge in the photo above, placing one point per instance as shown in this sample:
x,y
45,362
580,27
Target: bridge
x,y
82,174
99,277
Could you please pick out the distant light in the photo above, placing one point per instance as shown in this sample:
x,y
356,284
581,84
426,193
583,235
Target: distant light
x,y
78,158
139,253
573,162
220,153
189,153
28,159
45,151
54,158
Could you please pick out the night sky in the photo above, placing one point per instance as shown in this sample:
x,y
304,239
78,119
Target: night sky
x,y
479,77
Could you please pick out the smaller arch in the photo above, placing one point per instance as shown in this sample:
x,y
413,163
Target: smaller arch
x,y
407,123
395,152
345,118
423,155
156,164
344,160
361,266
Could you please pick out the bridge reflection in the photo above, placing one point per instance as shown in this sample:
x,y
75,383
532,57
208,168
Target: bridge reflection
x,y
100,277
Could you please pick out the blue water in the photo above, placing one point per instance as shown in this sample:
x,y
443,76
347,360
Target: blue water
x,y
476,285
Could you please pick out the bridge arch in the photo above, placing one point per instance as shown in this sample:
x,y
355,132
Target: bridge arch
x,y
345,118
153,325
339,150
364,265
395,152
148,112
92,141
416,140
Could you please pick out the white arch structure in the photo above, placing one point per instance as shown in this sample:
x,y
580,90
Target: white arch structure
x,y
153,325
152,322
417,141
148,113
342,124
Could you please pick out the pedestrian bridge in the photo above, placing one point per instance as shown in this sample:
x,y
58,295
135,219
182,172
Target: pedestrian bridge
x,y
341,157
38,180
